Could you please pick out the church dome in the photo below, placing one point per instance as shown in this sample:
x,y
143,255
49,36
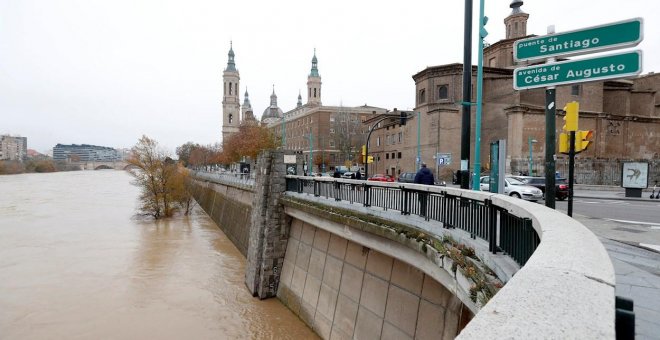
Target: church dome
x,y
273,111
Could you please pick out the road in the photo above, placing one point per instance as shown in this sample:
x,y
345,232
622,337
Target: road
x,y
646,212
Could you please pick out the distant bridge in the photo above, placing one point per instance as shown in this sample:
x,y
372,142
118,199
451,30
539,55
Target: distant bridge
x,y
98,165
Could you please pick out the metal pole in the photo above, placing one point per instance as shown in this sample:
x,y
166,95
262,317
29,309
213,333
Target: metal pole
x,y
550,139
283,133
419,155
311,151
571,171
529,141
467,95
366,146
480,75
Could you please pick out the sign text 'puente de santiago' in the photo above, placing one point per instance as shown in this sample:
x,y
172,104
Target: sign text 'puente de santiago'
x,y
594,39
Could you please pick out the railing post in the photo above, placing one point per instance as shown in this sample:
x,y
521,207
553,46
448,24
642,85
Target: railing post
x,y
492,226
317,188
367,195
405,204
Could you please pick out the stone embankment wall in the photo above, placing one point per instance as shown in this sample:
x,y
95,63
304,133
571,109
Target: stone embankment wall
x,y
344,290
229,206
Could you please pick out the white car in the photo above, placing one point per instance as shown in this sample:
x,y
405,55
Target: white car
x,y
514,188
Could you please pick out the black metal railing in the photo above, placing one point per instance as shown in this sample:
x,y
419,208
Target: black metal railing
x,y
503,231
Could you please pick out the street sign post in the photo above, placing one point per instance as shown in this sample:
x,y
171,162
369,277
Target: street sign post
x,y
600,38
599,68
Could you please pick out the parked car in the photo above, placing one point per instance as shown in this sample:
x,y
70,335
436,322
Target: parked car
x,y
561,185
514,188
348,174
381,178
407,177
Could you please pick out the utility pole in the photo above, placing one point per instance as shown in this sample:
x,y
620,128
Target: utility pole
x,y
480,75
467,96
550,138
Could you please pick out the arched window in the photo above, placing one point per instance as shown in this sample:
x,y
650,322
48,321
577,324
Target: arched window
x,y
236,88
310,93
225,89
231,117
230,88
443,92
315,92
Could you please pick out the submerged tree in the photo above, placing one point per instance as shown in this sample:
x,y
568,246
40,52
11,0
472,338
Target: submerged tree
x,y
161,180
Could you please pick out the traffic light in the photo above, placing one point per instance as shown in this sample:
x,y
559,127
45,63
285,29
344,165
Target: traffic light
x,y
482,30
370,159
403,118
572,116
563,143
364,153
583,140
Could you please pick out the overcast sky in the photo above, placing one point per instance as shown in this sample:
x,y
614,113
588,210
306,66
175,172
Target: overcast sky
x,y
106,72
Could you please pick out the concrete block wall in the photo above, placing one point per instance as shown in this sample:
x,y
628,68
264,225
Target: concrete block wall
x,y
227,206
268,229
346,291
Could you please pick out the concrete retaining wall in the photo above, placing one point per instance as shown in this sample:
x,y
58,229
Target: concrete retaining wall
x,y
230,207
344,290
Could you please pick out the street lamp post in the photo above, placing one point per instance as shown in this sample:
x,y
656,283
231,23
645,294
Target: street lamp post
x,y
530,141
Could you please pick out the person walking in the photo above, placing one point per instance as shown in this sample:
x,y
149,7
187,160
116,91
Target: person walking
x,y
358,175
423,176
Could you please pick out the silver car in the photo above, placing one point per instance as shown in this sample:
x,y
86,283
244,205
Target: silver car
x,y
514,188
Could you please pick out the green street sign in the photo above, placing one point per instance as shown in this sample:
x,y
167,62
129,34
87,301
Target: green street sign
x,y
586,40
578,71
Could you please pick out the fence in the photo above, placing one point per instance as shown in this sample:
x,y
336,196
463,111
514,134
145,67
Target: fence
x,y
244,180
590,171
503,231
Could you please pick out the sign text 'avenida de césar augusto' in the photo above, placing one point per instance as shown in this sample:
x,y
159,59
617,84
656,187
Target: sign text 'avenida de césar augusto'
x,y
600,38
579,71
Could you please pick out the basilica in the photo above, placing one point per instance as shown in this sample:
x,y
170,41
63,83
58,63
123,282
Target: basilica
x,y
328,136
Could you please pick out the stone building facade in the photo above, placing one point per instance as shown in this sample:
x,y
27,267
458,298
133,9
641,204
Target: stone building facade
x,y
624,115
13,148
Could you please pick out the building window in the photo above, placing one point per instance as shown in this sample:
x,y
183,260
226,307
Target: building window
x,y
378,141
310,93
575,90
230,87
332,144
387,156
392,155
492,62
332,118
332,130
225,89
422,95
399,155
236,88
315,92
400,136
443,92
231,118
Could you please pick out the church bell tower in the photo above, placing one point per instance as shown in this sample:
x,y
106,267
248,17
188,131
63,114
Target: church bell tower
x,y
230,100
314,84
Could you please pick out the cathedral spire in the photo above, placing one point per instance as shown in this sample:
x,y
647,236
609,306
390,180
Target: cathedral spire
x,y
273,97
231,66
315,69
299,100
246,100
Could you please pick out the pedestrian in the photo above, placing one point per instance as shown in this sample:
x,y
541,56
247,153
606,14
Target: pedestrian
x,y
358,175
336,174
423,176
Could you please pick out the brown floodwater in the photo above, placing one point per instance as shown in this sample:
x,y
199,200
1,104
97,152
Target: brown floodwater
x,y
75,263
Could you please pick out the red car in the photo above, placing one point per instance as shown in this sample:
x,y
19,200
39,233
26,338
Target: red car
x,y
381,178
